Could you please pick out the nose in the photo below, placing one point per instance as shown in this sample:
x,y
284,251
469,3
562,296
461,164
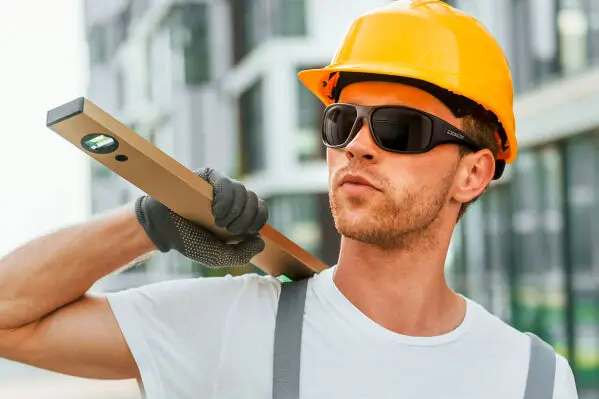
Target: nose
x,y
362,145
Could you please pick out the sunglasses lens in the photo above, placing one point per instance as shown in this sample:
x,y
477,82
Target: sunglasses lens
x,y
399,129
337,124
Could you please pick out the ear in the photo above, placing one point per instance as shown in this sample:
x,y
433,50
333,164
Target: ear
x,y
474,173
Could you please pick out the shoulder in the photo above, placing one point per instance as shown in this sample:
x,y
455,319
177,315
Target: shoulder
x,y
565,385
185,294
251,281
262,288
505,339
487,328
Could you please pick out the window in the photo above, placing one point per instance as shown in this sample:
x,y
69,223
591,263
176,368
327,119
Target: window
x,y
529,261
552,38
534,41
552,247
251,131
310,108
573,35
290,18
582,172
255,21
249,24
239,37
593,15
497,233
189,34
306,220
455,265
98,46
476,271
106,37
122,23
296,217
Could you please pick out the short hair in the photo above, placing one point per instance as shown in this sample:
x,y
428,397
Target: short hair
x,y
482,130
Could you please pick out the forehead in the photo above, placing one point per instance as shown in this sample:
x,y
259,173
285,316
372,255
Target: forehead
x,y
388,93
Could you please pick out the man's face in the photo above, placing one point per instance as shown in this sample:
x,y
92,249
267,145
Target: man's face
x,y
410,190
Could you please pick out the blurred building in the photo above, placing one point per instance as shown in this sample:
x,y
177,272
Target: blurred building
x,y
213,83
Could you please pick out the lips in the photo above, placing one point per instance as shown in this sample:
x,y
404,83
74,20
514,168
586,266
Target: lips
x,y
356,179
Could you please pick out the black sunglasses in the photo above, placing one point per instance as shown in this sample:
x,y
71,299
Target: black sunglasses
x,y
394,128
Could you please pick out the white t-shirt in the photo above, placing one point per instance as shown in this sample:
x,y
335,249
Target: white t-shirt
x,y
213,338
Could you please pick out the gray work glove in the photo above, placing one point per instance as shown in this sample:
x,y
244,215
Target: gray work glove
x,y
234,207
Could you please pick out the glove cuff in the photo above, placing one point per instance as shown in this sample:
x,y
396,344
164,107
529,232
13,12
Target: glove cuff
x,y
151,229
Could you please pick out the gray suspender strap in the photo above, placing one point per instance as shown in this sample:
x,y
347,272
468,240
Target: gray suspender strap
x,y
288,340
541,370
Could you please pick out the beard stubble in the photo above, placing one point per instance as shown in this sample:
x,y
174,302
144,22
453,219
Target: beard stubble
x,y
391,218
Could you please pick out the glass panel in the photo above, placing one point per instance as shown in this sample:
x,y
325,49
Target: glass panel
x,y
552,252
573,27
256,25
496,203
122,22
196,50
534,42
527,244
296,216
331,240
475,251
583,209
310,108
593,16
251,131
455,265
290,18
98,46
188,27
255,21
239,38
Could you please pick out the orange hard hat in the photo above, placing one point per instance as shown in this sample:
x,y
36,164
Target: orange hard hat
x,y
428,41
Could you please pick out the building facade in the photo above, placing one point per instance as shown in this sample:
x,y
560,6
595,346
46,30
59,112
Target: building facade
x,y
214,83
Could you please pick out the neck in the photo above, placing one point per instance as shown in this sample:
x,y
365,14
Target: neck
x,y
402,289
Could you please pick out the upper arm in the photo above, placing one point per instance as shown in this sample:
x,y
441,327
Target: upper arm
x,y
81,339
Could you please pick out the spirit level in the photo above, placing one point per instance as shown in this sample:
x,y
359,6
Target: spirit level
x,y
137,160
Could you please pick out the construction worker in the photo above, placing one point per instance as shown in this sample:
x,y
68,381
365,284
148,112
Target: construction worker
x,y
419,121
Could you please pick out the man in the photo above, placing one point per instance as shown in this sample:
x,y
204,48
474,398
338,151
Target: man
x,y
419,121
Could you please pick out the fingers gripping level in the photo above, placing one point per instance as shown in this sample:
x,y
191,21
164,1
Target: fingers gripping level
x,y
234,207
